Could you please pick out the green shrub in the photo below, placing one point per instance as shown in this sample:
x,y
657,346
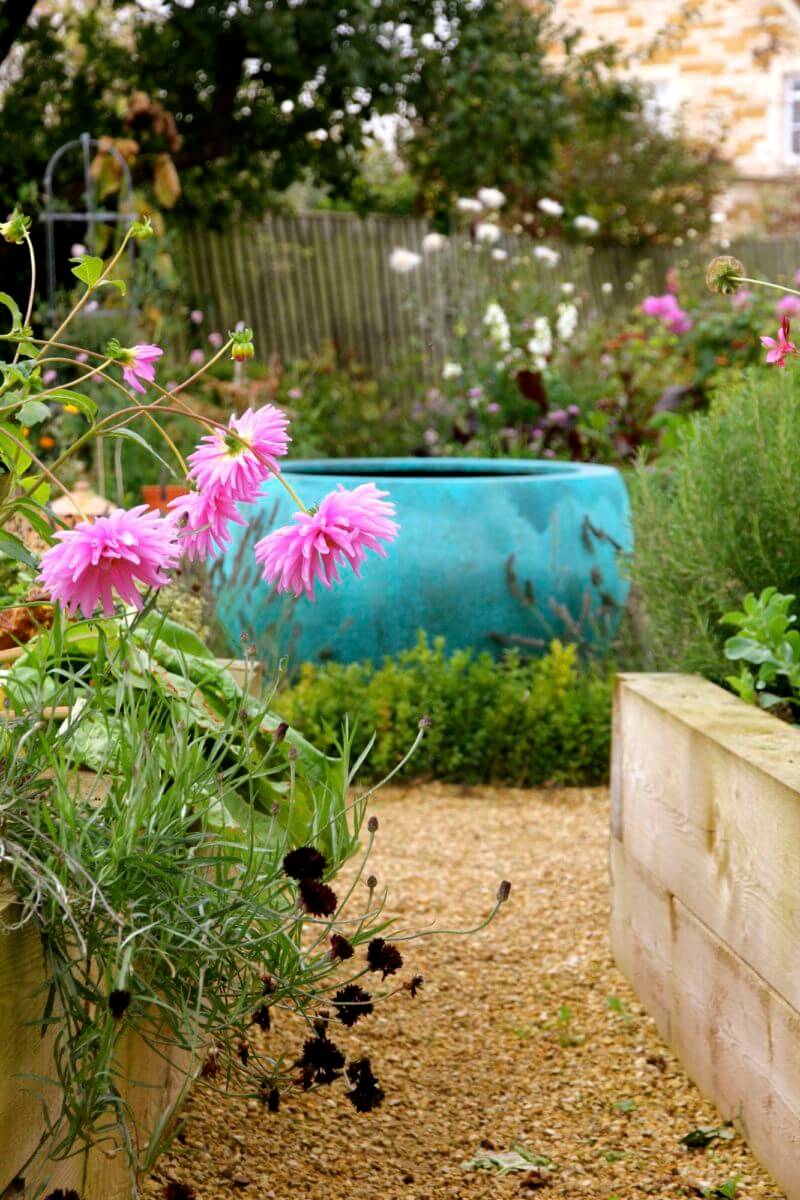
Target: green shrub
x,y
517,722
719,519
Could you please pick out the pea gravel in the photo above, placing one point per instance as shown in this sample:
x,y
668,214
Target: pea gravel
x,y
524,1037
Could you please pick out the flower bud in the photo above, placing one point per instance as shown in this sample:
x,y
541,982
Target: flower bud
x,y
143,229
372,825
503,891
724,274
16,227
242,347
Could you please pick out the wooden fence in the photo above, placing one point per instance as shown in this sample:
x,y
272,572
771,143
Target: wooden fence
x,y
302,280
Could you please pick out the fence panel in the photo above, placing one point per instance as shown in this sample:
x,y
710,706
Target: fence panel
x,y
300,280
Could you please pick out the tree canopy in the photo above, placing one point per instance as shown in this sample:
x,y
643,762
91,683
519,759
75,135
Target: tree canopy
x,y
219,106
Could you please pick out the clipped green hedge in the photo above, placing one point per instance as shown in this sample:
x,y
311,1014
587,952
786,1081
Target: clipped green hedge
x,y
516,722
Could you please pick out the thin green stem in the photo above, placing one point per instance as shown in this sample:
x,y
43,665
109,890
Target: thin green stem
x,y
32,293
89,290
779,287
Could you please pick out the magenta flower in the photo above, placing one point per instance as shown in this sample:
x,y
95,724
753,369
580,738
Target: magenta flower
x,y
93,560
742,298
668,311
788,306
139,363
342,529
778,349
204,519
238,462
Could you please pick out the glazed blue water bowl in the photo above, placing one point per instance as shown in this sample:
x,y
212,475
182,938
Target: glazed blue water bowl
x,y
491,553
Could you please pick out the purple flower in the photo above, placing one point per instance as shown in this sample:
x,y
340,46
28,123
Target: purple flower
x,y
493,407
197,358
196,316
216,339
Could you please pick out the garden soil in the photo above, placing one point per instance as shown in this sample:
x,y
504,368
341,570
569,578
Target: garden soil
x,y
524,1038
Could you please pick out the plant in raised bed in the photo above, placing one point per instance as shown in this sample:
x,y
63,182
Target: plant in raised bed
x,y
172,844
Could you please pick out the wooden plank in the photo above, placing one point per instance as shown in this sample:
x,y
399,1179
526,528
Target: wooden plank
x,y
736,1037
706,797
148,1082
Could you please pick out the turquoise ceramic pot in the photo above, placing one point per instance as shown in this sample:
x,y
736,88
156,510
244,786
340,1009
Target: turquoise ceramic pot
x,y
491,553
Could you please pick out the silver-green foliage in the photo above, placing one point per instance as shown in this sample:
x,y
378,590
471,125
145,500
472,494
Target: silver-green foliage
x,y
719,518
156,882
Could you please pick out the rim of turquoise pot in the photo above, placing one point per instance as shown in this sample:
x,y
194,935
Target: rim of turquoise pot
x,y
442,468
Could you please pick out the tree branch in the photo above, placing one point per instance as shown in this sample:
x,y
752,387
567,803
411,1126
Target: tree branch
x,y
12,21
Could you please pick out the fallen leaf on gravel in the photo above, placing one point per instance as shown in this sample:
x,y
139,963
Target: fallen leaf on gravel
x,y
506,1161
698,1139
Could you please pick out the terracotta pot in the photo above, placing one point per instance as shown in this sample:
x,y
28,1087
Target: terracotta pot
x,y
158,495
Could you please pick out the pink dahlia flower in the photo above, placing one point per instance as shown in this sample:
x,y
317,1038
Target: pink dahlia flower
x,y
207,516
237,463
778,349
342,529
93,560
139,363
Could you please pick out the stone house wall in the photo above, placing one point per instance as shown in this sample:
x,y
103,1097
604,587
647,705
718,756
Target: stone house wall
x,y
728,66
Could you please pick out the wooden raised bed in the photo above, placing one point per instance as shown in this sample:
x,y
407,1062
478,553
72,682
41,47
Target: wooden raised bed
x,y
148,1083
152,1083
705,870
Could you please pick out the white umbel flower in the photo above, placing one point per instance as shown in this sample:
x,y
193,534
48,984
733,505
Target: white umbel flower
x,y
606,288
433,242
566,321
551,207
497,327
586,224
467,204
485,231
541,344
499,255
451,370
403,261
545,255
491,197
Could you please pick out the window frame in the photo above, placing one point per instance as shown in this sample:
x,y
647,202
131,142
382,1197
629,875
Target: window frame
x,y
791,117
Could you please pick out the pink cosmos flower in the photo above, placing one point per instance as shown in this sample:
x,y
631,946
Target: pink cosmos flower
x,y
93,560
344,526
788,306
668,311
222,463
207,517
778,349
139,362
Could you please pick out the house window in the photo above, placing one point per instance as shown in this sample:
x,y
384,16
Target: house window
x,y
659,105
792,118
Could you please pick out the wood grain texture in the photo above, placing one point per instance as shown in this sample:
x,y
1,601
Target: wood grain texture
x,y
736,1037
706,798
147,1081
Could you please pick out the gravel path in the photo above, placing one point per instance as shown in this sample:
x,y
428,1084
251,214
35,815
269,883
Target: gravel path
x,y
525,1035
